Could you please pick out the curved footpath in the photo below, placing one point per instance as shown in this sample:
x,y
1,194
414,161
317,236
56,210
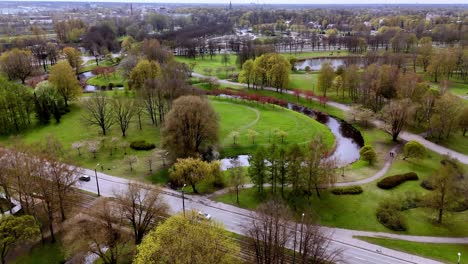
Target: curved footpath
x,y
237,220
407,136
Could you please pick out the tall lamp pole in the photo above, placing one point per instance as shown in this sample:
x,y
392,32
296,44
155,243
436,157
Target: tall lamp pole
x,y
183,199
295,238
302,226
97,181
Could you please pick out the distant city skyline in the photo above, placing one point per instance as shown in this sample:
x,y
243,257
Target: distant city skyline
x,y
298,2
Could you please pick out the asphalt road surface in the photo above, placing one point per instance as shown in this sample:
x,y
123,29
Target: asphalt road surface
x,y
236,220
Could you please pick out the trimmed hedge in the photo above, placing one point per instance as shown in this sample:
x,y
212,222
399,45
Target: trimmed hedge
x,y
142,145
395,180
347,190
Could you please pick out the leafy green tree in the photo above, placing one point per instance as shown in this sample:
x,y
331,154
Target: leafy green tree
x,y
14,230
294,164
48,102
190,171
368,154
190,127
17,64
414,149
425,52
252,134
463,121
144,70
325,78
16,106
187,240
247,74
63,78
73,57
445,182
236,176
258,169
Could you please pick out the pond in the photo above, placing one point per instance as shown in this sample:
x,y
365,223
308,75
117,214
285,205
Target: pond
x,y
316,63
348,140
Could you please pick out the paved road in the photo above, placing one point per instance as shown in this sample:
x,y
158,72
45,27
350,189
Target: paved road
x,y
407,136
237,219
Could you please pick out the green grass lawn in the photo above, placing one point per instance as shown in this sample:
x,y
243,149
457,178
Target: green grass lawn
x,y
233,116
358,211
91,64
442,252
115,78
43,254
213,64
242,116
456,141
303,81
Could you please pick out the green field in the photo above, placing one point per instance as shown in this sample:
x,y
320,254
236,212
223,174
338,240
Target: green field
x,y
214,64
233,116
243,116
442,252
43,254
358,211
115,78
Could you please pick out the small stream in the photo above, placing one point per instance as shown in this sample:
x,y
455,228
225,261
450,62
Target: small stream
x,y
92,88
348,140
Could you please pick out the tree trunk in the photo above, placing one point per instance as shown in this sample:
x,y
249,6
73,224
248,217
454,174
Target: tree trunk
x,y
317,190
194,189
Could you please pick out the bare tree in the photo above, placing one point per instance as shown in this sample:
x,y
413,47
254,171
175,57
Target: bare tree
x,y
396,115
268,232
93,147
98,112
124,110
130,159
103,234
142,206
64,178
315,244
78,146
151,160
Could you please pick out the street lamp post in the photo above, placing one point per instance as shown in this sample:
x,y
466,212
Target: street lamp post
x,y
183,199
97,181
459,255
295,238
302,226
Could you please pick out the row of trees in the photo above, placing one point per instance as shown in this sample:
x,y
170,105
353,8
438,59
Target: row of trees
x,y
304,170
266,70
50,98
43,185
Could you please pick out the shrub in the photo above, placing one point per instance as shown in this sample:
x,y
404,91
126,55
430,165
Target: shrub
x,y
347,190
368,154
110,86
427,184
395,180
389,216
414,149
142,145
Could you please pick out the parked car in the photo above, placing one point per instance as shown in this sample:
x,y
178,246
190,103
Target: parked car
x,y
85,178
204,216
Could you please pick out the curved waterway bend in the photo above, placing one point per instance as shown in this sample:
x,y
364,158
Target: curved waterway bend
x,y
348,140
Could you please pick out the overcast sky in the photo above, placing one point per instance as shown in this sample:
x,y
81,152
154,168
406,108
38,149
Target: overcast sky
x,y
280,1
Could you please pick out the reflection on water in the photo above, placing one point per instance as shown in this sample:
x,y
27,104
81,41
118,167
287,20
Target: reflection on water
x,y
316,64
348,139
